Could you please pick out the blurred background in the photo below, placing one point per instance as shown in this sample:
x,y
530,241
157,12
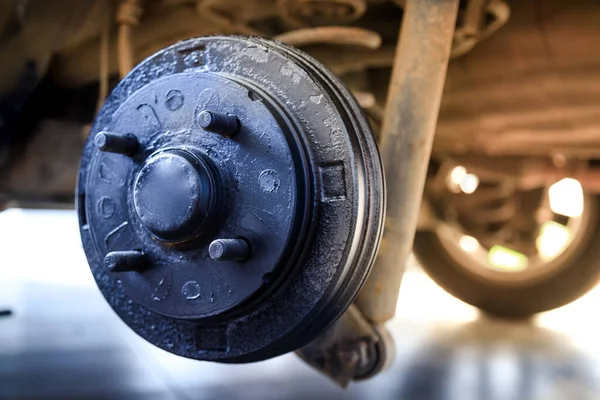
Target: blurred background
x,y
62,340
509,222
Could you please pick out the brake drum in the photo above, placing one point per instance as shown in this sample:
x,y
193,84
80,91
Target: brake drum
x,y
230,199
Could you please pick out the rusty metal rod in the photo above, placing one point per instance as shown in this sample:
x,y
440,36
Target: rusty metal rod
x,y
408,127
337,35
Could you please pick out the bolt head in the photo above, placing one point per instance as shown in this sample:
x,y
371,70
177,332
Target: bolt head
x,y
229,250
216,250
101,141
205,119
123,261
110,261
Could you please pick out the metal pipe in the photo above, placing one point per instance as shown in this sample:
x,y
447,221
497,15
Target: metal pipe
x,y
336,35
411,113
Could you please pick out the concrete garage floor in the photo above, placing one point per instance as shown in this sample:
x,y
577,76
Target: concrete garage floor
x,y
63,341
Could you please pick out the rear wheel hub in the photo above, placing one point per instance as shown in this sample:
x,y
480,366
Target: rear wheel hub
x,y
230,199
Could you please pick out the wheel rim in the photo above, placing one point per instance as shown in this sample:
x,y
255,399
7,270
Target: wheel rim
x,y
476,261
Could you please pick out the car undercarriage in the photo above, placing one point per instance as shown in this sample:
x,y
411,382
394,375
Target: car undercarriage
x,y
274,174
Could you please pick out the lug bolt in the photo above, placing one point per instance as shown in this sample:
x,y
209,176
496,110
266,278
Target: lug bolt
x,y
116,143
229,250
223,124
123,261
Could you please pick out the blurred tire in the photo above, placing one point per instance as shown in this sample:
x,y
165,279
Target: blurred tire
x,y
516,298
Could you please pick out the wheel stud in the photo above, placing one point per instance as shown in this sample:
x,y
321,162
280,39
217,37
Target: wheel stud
x,y
229,250
123,261
116,143
223,124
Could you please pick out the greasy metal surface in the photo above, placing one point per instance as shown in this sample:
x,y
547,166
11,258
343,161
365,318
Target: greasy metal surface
x,y
313,279
406,138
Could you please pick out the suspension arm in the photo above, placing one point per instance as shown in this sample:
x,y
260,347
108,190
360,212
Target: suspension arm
x,y
406,139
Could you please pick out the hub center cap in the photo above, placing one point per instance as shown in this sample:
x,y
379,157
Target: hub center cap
x,y
173,194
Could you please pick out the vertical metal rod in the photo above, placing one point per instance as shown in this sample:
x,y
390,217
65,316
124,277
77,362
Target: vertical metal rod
x,y
407,134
